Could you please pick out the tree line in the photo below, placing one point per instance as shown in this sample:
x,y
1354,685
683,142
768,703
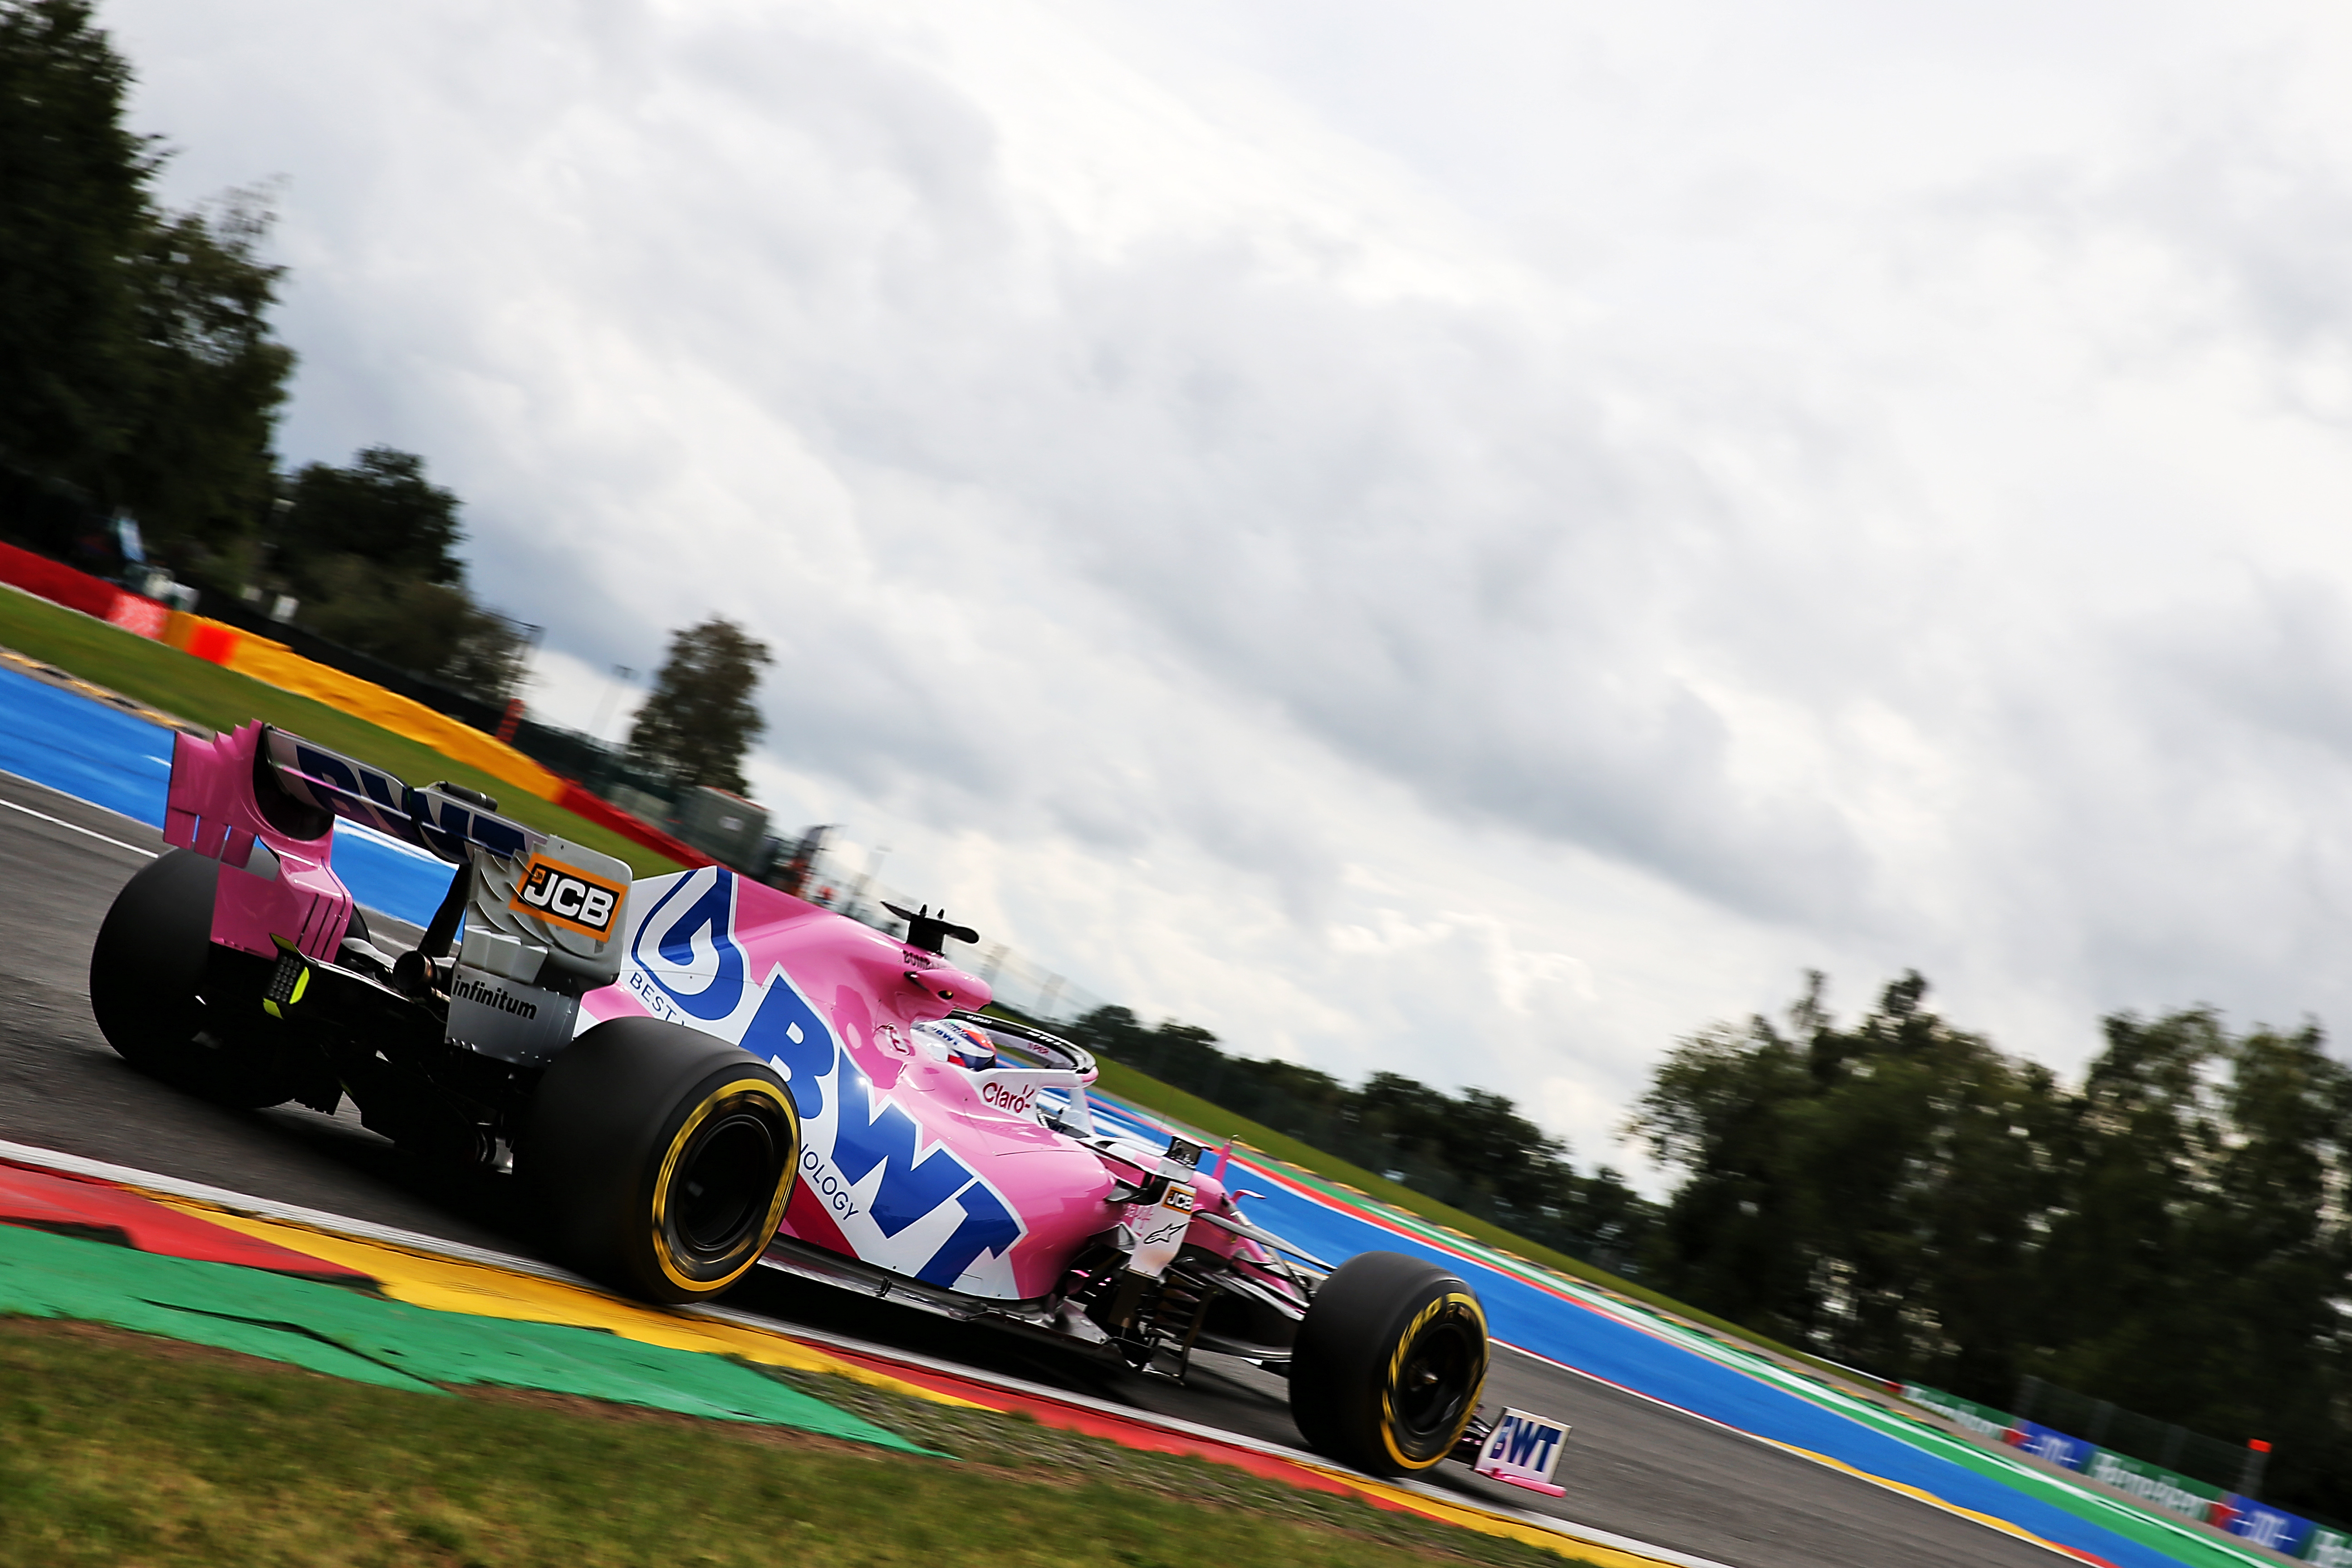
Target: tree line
x,y
1898,1194
142,382
1471,1149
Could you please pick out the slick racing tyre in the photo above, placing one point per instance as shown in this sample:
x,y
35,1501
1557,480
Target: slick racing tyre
x,y
146,975
1388,1365
661,1156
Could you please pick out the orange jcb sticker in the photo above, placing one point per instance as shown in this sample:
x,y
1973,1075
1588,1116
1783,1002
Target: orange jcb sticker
x,y
565,896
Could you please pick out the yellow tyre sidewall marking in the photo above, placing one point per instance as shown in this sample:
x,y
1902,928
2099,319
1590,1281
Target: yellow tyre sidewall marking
x,y
679,1140
1469,1303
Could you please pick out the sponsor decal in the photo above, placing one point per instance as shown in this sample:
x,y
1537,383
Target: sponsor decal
x,y
374,798
563,894
1523,1449
904,1201
1012,1098
1161,1230
2049,1443
1160,1233
1982,1421
2155,1487
2264,1525
471,990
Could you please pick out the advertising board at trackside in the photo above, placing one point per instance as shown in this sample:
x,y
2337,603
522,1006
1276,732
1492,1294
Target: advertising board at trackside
x,y
2166,1490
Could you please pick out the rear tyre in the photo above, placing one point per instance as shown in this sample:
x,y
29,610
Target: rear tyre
x,y
662,1157
1389,1363
147,974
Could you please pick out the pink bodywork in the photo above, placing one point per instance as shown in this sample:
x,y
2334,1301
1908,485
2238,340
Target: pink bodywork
x,y
290,890
795,966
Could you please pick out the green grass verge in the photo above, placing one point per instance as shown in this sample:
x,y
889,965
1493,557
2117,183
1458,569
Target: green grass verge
x,y
1221,1124
116,1449
219,698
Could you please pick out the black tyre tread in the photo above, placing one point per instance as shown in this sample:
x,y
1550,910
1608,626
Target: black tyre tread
x,y
1344,1345
607,1107
146,970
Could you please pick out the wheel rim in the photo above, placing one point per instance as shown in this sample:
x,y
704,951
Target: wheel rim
x,y
1435,1377
724,1180
1435,1385
722,1185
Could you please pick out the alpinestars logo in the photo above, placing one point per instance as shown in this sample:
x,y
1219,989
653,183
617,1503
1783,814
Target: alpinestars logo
x,y
492,996
567,897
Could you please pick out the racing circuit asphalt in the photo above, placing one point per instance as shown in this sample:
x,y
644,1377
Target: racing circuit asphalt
x,y
1631,1467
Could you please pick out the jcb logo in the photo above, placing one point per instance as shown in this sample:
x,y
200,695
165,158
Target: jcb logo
x,y
558,893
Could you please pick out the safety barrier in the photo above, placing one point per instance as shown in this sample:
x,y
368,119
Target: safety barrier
x,y
61,585
2165,1491
275,664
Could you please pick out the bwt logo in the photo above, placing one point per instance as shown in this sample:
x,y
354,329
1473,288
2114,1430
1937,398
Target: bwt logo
x,y
911,1209
554,891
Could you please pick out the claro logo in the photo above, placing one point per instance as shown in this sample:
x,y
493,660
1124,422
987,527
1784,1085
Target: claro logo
x,y
554,891
1006,1098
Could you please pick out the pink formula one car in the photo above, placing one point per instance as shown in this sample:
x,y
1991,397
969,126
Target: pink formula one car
x,y
697,1072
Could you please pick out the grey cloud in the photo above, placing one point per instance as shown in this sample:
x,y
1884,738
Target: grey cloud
x,y
1191,545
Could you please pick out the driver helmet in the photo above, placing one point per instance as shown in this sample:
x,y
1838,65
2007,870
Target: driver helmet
x,y
962,1044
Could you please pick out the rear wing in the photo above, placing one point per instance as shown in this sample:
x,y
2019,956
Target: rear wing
x,y
435,817
537,910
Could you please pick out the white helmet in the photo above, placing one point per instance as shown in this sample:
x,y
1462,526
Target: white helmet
x,y
959,1043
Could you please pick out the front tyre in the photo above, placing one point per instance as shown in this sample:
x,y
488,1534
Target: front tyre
x,y
147,972
1388,1364
662,1156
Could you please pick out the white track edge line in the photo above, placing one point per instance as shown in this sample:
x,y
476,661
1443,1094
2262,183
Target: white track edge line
x,y
69,794
75,827
431,1246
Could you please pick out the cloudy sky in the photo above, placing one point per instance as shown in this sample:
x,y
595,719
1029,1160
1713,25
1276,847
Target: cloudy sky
x,y
1469,538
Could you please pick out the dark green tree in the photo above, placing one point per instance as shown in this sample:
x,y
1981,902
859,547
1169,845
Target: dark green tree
x,y
1877,1193
1731,1237
432,629
381,513
73,210
198,471
2172,1237
371,551
137,369
700,719
1479,1135
2196,1273
1472,1149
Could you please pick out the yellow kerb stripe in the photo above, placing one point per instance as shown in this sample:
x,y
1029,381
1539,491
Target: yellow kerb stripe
x,y
446,1285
